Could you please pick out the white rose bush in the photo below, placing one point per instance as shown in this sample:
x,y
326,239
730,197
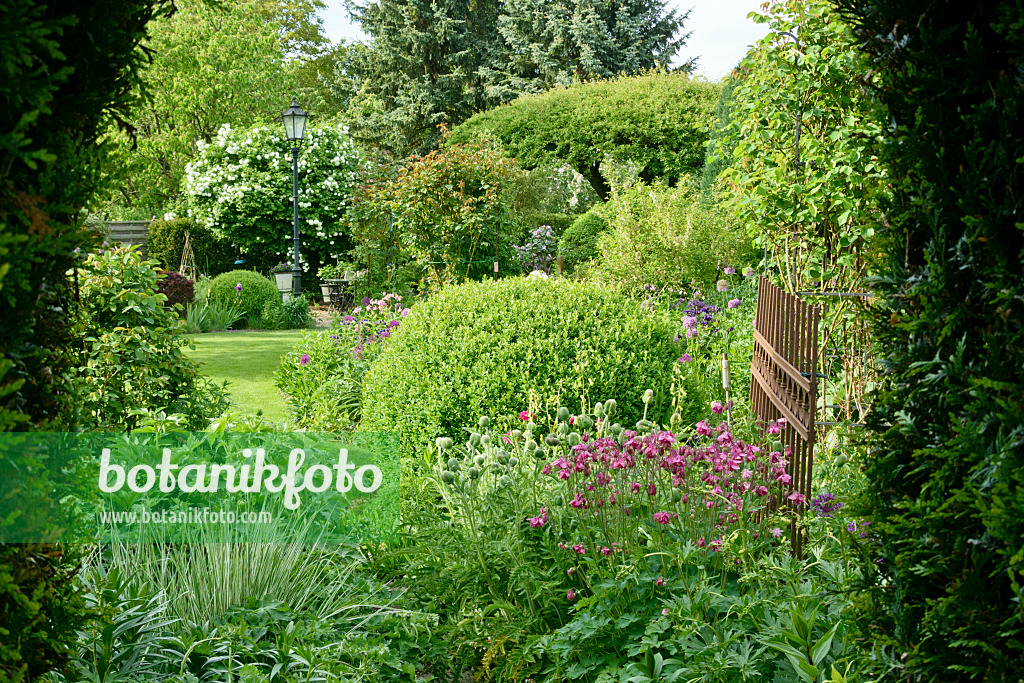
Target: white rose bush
x,y
240,187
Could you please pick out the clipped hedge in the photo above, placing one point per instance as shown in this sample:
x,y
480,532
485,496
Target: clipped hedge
x,y
579,243
165,242
482,348
257,294
659,122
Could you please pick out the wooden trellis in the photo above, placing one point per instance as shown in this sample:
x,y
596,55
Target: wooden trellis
x,y
784,384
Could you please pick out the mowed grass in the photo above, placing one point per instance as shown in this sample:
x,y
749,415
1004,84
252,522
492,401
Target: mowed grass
x,y
247,360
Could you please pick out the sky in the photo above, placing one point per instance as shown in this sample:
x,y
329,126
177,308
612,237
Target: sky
x,y
721,31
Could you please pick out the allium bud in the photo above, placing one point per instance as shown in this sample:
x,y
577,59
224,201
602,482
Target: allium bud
x,y
599,410
551,440
648,396
609,407
453,464
505,481
531,445
574,439
517,433
444,443
474,439
474,473
447,477
563,414
513,461
485,440
479,460
484,422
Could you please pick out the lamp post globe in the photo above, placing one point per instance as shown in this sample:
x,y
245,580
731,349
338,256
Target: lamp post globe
x,y
295,130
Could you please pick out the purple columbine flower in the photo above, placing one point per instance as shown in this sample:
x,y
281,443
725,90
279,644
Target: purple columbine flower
x,y
734,303
685,358
304,361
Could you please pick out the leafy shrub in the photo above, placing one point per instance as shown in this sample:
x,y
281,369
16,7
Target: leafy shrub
x,y
658,121
558,222
293,314
179,290
132,359
664,236
539,251
252,297
209,316
499,347
579,242
165,242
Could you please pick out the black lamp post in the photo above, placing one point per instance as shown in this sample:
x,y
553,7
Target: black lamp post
x,y
294,129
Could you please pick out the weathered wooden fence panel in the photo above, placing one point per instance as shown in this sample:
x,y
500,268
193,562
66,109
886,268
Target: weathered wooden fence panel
x,y
784,384
129,232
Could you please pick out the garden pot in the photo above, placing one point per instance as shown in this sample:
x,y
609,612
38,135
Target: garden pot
x,y
284,281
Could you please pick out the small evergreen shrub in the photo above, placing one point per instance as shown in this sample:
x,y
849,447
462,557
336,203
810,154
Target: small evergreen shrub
x,y
292,314
579,243
500,347
165,242
178,289
245,290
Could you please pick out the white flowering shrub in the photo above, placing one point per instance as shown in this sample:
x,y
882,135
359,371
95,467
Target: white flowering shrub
x,y
240,186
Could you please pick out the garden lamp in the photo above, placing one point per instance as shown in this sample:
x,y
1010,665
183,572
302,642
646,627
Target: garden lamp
x,y
295,129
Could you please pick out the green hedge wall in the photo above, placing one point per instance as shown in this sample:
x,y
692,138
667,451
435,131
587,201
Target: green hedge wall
x,y
946,472
659,122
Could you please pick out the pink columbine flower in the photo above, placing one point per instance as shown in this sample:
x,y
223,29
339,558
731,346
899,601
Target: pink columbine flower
x,y
651,490
304,360
700,542
546,469
569,571
798,498
685,358
665,612
606,551
722,286
717,408
662,517
660,581
571,595
734,303
580,549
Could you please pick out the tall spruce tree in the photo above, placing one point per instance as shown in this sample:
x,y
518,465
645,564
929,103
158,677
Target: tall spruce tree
x,y
437,62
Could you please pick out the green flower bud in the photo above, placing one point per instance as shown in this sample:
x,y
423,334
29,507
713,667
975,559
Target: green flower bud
x,y
574,439
474,439
777,446
559,501
677,495
616,429
502,458
552,440
563,429
539,454
513,461
599,410
563,414
448,477
517,433
453,464
609,407
444,443
531,427
584,422
531,445
644,425
485,440
842,460
479,460
648,396
505,481
474,473
484,422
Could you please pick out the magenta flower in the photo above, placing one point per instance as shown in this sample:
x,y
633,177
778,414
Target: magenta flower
x,y
571,595
722,286
580,549
665,612
662,517
776,532
651,490
569,571
304,360
685,358
606,551
526,416
700,542
734,303
660,581
797,498
717,408
406,311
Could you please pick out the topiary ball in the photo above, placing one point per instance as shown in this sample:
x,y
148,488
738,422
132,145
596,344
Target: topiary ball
x,y
578,243
248,291
482,348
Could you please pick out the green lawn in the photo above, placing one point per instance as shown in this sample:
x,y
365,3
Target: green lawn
x,y
247,360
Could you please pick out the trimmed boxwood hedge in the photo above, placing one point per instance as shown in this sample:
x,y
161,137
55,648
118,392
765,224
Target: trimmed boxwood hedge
x,y
482,348
257,293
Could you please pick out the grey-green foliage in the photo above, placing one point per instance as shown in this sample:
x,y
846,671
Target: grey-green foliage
x,y
579,243
659,235
546,43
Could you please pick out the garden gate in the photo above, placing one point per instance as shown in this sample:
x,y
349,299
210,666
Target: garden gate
x,y
784,382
